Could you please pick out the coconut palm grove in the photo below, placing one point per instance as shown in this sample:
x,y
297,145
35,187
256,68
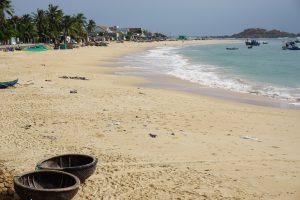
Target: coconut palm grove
x,y
42,26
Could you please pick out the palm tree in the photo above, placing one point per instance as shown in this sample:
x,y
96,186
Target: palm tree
x,y
6,32
80,23
42,25
81,19
13,22
91,27
5,9
27,29
55,17
5,28
68,26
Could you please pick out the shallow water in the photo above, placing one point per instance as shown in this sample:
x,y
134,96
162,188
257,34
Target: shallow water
x,y
266,70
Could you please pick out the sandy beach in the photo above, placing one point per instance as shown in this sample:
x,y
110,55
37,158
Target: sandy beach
x,y
200,150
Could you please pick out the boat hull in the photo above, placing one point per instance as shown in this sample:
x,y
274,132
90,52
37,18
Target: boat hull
x,y
4,85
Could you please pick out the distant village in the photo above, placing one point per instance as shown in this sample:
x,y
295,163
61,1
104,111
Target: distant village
x,y
115,33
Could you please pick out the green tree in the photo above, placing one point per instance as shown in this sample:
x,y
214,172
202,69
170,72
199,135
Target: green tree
x,y
55,17
13,24
42,25
5,9
80,24
6,30
27,29
129,35
68,24
91,27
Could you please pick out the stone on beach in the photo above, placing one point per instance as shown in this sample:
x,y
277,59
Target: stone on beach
x,y
73,91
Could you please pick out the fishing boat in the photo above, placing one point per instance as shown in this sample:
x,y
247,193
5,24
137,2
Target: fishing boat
x,y
8,84
82,166
46,185
232,48
290,46
252,43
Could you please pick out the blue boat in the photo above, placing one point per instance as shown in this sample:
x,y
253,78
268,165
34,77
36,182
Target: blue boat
x,y
8,84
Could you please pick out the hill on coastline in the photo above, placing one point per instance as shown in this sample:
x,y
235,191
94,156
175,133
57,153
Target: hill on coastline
x,y
263,33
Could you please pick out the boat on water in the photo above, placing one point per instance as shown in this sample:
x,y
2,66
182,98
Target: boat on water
x,y
290,46
7,84
252,42
232,48
265,42
250,47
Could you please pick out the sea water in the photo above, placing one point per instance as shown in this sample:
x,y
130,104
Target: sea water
x,y
265,70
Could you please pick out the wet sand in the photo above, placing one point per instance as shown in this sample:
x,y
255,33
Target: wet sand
x,y
155,80
198,151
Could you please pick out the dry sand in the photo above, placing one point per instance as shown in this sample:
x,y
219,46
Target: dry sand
x,y
197,154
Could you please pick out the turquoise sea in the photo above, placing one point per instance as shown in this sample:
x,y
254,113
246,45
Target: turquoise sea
x,y
266,70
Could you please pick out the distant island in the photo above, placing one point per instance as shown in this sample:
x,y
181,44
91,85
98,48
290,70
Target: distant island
x,y
263,33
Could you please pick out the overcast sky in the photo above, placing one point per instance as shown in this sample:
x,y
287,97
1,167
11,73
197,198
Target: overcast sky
x,y
188,17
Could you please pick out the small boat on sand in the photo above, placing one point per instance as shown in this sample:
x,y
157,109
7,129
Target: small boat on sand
x,y
46,185
8,84
82,166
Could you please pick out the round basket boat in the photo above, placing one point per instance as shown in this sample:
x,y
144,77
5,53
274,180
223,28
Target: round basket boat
x,y
46,185
82,166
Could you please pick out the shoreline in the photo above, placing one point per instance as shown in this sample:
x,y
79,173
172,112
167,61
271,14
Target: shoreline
x,y
169,82
199,151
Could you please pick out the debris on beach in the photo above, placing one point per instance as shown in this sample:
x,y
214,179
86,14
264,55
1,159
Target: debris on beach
x,y
152,135
246,137
73,91
74,77
6,183
29,82
28,126
275,147
116,123
52,138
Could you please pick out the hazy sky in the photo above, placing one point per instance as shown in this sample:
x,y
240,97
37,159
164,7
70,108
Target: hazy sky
x,y
189,17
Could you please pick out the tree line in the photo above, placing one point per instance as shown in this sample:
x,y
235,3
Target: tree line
x,y
44,26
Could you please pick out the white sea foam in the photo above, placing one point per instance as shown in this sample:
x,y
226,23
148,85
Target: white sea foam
x,y
167,60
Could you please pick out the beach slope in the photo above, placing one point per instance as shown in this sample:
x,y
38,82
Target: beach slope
x,y
151,143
